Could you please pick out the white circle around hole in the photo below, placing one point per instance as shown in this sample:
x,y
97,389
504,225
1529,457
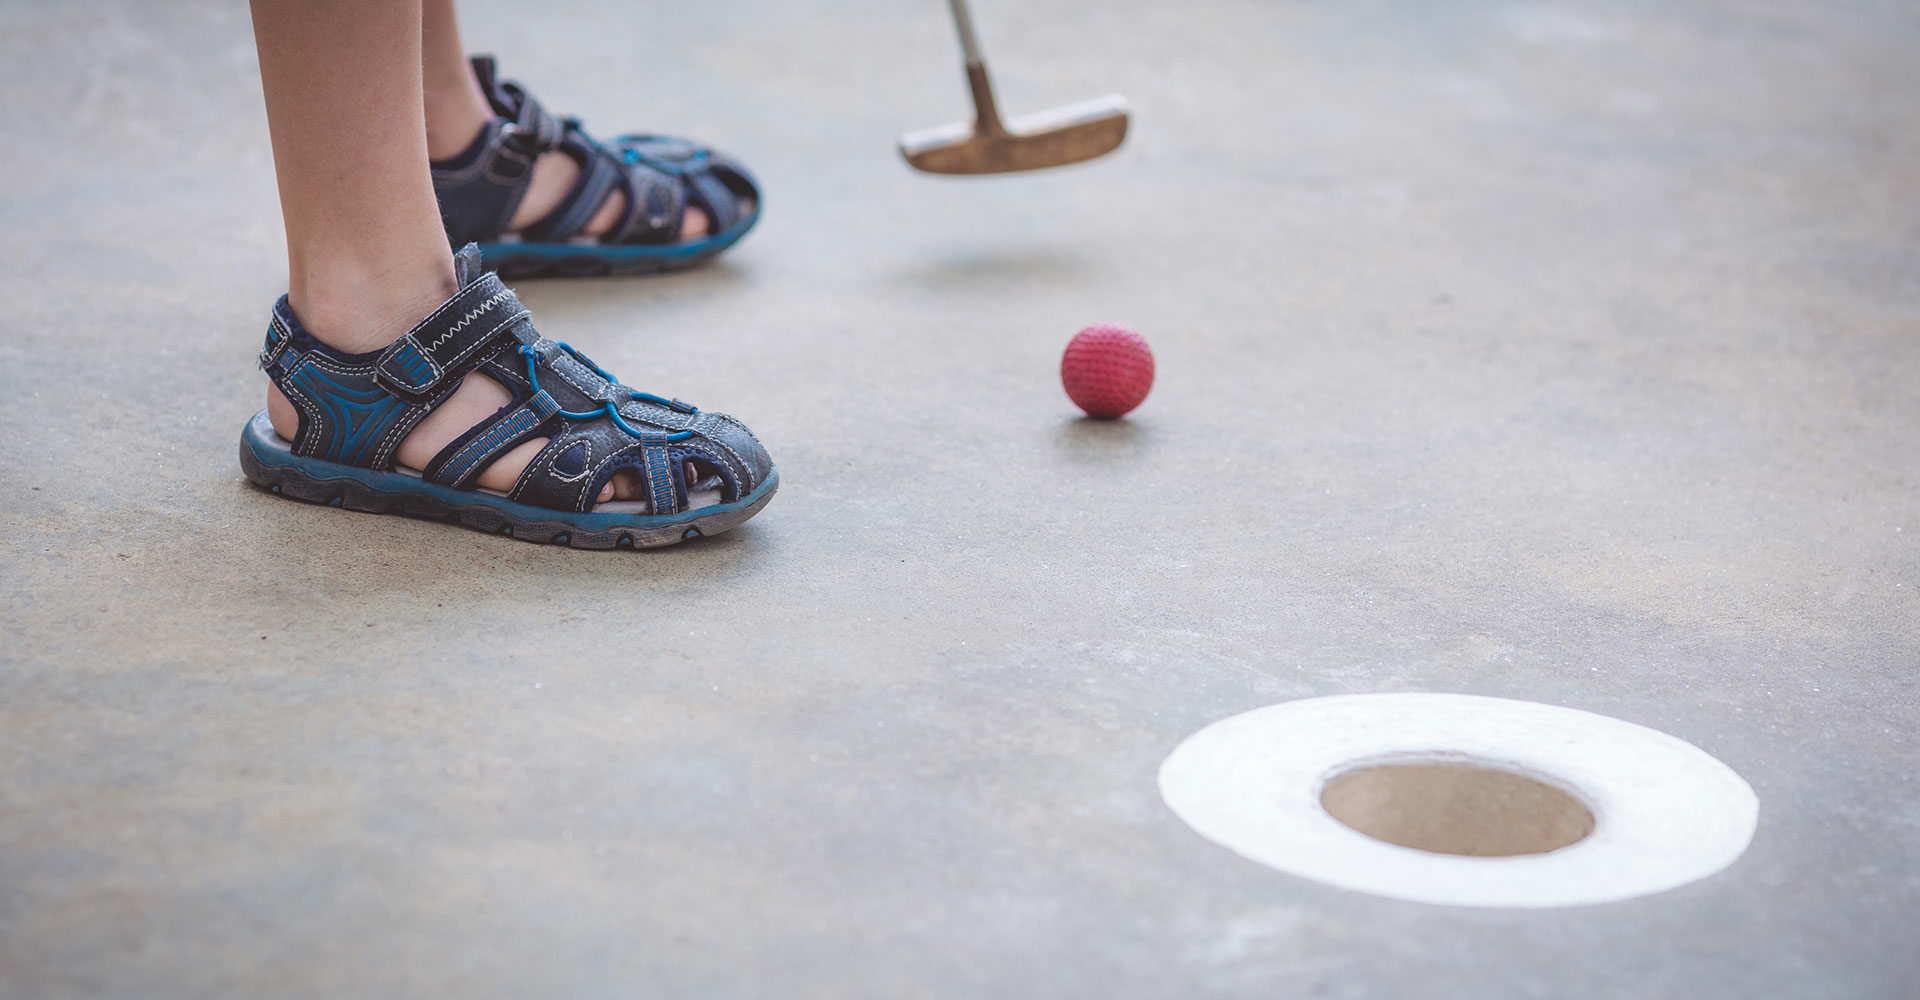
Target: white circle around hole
x,y
1665,812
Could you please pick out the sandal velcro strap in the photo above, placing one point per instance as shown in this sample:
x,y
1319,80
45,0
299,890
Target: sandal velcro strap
x,y
446,345
531,130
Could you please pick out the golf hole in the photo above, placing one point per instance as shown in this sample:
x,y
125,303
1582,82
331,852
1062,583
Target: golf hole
x,y
1461,800
1464,808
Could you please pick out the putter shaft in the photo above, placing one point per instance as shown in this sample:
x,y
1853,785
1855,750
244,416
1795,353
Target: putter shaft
x,y
985,112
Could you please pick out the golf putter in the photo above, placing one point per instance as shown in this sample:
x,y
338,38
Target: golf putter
x,y
1052,138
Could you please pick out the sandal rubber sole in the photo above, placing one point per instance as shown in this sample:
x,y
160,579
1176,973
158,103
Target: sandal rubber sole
x,y
591,260
269,461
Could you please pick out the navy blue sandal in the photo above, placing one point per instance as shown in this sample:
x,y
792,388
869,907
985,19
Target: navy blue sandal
x,y
704,472
480,189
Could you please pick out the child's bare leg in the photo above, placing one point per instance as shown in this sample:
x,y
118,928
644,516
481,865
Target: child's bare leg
x,y
367,254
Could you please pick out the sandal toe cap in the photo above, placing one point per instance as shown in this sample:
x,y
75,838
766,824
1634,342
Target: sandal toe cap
x,y
742,452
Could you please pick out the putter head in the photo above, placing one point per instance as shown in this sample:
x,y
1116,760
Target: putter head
x,y
1052,138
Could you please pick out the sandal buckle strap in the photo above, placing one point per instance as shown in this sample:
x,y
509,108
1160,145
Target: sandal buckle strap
x,y
450,342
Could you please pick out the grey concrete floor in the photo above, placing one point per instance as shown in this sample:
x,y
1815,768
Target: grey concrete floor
x,y
1557,352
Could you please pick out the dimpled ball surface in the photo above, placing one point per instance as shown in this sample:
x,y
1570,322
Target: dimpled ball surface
x,y
1107,370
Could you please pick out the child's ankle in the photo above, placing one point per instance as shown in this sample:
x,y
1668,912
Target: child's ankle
x,y
355,305
456,111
